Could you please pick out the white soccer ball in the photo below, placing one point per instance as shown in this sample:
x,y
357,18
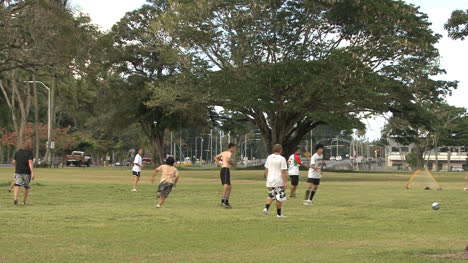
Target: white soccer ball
x,y
465,189
435,206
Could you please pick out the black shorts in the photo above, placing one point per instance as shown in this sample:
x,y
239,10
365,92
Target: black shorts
x,y
136,173
314,181
165,188
294,180
225,175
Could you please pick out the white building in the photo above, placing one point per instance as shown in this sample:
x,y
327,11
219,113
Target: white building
x,y
453,157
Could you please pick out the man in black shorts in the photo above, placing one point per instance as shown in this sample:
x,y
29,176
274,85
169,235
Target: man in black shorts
x,y
24,171
294,162
224,160
314,175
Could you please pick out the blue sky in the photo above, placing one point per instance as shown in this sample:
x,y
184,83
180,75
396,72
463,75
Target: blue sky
x,y
454,53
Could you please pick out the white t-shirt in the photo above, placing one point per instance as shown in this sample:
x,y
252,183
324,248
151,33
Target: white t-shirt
x,y
316,159
294,162
139,161
275,164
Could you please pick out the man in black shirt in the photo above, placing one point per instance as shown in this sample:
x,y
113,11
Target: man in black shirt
x,y
24,172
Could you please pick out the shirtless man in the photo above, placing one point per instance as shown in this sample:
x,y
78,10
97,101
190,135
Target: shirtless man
x,y
224,159
169,178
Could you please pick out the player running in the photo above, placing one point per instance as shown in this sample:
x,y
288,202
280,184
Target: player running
x,y
224,159
169,179
24,171
294,162
314,174
277,181
136,170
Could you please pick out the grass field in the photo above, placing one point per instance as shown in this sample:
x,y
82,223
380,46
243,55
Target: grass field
x,y
90,215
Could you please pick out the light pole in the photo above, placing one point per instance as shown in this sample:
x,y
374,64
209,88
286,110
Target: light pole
x,y
49,117
211,146
201,150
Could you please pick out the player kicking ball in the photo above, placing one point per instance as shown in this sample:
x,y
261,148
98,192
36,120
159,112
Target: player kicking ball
x,y
294,162
224,159
314,174
169,178
277,181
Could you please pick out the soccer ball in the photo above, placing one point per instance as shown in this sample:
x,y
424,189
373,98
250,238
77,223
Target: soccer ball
x,y
465,189
435,206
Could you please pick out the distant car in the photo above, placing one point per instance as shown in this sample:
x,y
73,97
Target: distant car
x,y
332,158
457,169
339,158
77,158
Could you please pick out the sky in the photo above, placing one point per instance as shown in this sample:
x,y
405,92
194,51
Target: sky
x,y
454,53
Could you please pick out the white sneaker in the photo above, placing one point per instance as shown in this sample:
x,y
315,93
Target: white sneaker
x,y
281,216
134,190
308,202
158,206
265,212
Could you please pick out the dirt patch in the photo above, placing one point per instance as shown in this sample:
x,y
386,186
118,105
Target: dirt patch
x,y
462,255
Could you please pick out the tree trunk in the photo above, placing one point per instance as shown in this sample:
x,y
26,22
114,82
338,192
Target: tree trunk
x,y
157,144
155,134
284,130
449,154
419,157
436,144
23,97
11,104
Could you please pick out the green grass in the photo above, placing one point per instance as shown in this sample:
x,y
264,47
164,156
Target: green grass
x,y
90,215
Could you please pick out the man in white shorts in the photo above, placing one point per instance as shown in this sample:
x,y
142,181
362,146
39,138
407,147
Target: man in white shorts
x,y
136,169
314,175
277,181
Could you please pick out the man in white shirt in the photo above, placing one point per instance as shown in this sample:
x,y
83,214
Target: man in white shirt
x,y
294,162
277,181
314,174
136,169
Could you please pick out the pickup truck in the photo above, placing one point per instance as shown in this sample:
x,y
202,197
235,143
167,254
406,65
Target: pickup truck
x,y
77,158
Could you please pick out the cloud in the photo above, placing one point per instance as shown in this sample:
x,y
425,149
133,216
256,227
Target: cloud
x,y
105,13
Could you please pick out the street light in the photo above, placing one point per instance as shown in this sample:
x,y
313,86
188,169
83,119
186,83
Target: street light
x,y
49,116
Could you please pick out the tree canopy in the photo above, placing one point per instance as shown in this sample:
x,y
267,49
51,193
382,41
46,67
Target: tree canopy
x,y
457,25
292,65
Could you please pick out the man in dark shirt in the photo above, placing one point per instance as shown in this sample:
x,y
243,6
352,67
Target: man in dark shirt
x,y
24,172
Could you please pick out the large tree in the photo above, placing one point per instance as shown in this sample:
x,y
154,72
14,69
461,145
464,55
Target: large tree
x,y
457,25
141,55
43,39
291,65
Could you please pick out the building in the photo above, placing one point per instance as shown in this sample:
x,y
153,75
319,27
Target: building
x,y
449,158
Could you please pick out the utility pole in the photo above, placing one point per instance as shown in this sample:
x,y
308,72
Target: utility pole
x,y
245,147
201,150
337,143
196,152
171,144
49,118
180,146
311,141
220,141
211,146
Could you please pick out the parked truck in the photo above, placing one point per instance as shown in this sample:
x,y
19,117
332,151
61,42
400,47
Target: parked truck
x,y
77,158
